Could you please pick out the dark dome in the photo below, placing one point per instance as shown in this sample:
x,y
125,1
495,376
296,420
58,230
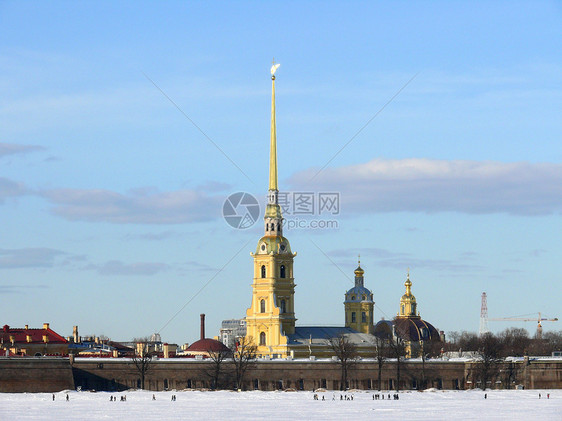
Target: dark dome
x,y
415,330
205,345
356,294
383,329
408,328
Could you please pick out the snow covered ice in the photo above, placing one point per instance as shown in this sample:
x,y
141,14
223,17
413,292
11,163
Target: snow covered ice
x,y
256,405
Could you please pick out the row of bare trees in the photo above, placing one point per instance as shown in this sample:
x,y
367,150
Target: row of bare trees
x,y
226,368
491,350
383,349
511,342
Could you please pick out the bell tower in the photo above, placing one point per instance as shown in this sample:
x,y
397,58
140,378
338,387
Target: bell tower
x,y
359,305
271,315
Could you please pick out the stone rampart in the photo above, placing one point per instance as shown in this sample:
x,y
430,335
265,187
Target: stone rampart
x,y
35,374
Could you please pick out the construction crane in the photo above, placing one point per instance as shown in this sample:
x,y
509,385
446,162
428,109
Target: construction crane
x,y
526,319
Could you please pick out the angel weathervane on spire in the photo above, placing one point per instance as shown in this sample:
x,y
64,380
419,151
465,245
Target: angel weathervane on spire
x,y
274,68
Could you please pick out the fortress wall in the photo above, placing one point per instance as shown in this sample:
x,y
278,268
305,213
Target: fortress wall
x,y
41,374
35,374
120,374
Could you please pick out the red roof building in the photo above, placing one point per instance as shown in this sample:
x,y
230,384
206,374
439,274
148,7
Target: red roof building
x,y
32,342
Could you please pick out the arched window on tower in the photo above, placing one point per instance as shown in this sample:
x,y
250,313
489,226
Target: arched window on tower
x,y
262,306
363,317
262,338
353,317
283,306
282,271
263,271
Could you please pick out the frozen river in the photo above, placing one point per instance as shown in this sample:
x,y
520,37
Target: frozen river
x,y
223,405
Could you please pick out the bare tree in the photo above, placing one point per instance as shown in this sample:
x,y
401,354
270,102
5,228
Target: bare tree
x,y
398,351
453,339
551,341
514,342
381,353
428,349
489,353
218,371
346,354
242,358
468,341
423,383
142,357
509,372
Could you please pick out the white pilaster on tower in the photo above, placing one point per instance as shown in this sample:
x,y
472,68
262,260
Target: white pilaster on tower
x,y
483,316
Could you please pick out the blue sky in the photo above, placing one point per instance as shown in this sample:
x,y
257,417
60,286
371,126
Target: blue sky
x,y
111,198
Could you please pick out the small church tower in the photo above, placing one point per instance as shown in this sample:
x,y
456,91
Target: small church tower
x,y
408,302
359,305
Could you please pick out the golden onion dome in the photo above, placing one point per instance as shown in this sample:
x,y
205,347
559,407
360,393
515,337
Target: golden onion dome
x,y
359,271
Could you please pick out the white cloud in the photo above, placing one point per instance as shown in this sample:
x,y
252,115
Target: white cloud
x,y
116,267
9,188
39,257
12,149
152,236
400,260
426,185
141,206
20,289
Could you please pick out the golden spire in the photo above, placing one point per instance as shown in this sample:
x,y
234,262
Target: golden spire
x,y
273,218
408,284
273,145
359,271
